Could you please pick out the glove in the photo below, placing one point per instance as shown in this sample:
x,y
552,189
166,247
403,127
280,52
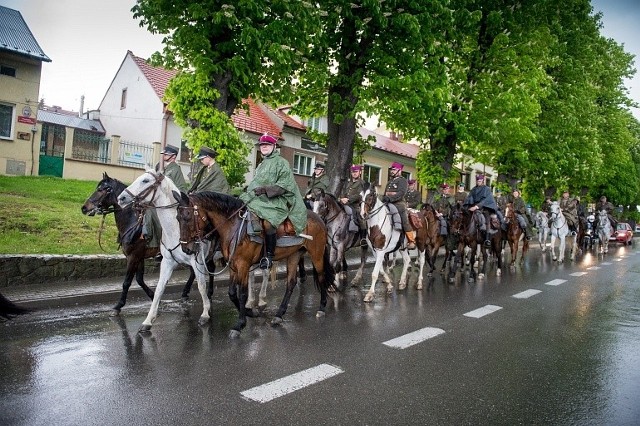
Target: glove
x,y
261,190
386,199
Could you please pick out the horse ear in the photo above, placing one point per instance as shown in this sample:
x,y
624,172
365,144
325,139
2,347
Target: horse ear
x,y
105,175
178,195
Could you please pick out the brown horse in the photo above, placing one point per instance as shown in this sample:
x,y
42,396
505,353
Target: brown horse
x,y
129,223
226,215
435,240
514,235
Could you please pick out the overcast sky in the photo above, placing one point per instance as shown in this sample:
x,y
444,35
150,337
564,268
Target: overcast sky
x,y
88,39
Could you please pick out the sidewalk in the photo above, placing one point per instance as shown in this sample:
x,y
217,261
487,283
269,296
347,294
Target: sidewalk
x,y
107,290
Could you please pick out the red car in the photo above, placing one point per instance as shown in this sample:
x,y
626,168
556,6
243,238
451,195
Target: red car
x,y
623,233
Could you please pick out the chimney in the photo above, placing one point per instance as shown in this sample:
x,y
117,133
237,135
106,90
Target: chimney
x,y
81,112
393,136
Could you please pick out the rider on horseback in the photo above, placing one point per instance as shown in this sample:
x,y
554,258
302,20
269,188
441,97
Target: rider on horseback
x,y
569,210
352,196
603,204
274,196
480,198
443,207
394,193
522,215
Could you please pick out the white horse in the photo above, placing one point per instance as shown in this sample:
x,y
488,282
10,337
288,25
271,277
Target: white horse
x,y
382,238
560,229
542,224
604,231
152,190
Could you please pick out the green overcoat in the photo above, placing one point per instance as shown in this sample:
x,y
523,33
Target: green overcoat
x,y
174,172
275,170
211,179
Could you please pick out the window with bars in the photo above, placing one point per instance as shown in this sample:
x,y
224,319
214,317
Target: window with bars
x,y
52,140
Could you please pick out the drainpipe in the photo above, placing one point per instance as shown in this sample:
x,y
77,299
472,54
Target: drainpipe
x,y
34,130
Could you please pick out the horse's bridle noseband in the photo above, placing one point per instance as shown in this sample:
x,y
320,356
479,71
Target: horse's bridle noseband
x,y
151,189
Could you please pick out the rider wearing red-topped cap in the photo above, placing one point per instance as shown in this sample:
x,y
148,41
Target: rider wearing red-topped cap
x,y
394,193
352,197
273,195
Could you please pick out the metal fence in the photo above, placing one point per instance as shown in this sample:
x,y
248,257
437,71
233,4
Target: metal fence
x,y
91,147
133,154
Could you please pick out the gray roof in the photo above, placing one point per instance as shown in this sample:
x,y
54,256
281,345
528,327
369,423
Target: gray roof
x,y
16,37
70,121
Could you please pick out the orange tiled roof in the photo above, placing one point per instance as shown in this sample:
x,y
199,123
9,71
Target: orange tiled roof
x,y
385,143
157,77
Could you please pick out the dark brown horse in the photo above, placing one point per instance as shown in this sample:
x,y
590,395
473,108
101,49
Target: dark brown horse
x,y
225,215
435,240
129,222
514,234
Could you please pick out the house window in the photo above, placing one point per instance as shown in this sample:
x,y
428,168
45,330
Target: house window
x,y
184,151
372,175
123,99
313,123
5,70
52,140
7,118
302,164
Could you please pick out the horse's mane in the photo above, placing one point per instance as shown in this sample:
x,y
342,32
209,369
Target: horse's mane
x,y
226,204
119,186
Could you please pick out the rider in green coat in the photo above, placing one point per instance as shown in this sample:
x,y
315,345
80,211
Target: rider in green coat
x,y
210,177
273,195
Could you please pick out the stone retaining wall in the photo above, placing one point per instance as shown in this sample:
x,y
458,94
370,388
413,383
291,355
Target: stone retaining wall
x,y
41,269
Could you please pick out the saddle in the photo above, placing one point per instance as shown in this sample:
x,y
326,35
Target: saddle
x,y
395,217
255,226
353,225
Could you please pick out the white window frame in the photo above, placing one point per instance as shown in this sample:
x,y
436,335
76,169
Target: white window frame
x,y
366,174
123,98
12,123
299,158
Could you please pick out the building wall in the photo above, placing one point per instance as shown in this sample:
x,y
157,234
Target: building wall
x,y
19,152
141,119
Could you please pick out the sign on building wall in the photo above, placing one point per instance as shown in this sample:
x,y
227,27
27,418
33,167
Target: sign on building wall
x,y
131,156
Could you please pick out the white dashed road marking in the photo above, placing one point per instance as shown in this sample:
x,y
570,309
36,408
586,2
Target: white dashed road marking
x,y
606,263
593,268
578,274
526,294
292,383
556,282
413,338
618,260
485,310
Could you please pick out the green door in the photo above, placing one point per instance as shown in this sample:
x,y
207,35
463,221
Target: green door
x,y
51,165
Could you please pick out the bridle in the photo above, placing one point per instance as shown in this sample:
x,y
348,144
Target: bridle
x,y
151,189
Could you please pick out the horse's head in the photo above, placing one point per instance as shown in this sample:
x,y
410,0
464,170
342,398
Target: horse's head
x,y
192,222
508,211
603,218
104,199
369,200
555,211
541,219
142,190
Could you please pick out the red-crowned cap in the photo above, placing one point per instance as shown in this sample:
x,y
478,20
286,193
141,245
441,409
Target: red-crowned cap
x,y
267,140
479,177
356,168
396,165
445,186
411,181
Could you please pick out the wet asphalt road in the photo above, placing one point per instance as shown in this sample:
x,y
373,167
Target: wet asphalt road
x,y
569,354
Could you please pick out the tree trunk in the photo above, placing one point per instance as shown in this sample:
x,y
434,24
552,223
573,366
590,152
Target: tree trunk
x,y
340,140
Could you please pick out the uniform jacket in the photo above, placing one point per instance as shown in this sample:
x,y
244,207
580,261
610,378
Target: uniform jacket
x,y
315,182
275,170
460,197
174,172
353,192
519,206
210,179
396,189
444,203
413,198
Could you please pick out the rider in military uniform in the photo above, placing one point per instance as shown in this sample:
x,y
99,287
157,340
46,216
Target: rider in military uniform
x,y
546,205
522,215
352,196
569,210
413,196
394,193
461,195
501,200
443,206
210,177
481,198
603,204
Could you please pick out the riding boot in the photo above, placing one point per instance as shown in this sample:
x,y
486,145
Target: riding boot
x,y
411,240
485,236
270,248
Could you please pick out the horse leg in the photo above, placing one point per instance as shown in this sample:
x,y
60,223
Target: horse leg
x,y
166,269
374,276
563,242
497,249
262,297
302,272
525,248
363,261
251,300
187,286
552,246
485,257
513,246
291,285
421,259
406,259
132,269
472,260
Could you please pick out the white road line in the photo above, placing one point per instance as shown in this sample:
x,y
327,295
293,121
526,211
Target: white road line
x,y
578,274
606,263
526,294
556,282
292,383
618,260
414,337
593,268
485,310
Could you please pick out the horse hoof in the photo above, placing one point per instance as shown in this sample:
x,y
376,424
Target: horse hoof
x,y
368,298
320,314
144,329
203,321
499,272
234,334
419,286
114,313
400,287
276,321
480,276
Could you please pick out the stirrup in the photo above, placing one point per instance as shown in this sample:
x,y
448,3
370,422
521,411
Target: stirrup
x,y
411,245
266,263
487,243
573,233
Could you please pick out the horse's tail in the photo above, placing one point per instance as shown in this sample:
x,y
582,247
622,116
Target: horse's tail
x,y
329,273
9,309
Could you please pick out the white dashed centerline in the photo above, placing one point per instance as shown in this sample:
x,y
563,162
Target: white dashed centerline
x,y
485,310
292,383
606,263
414,337
526,294
556,282
578,274
593,268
